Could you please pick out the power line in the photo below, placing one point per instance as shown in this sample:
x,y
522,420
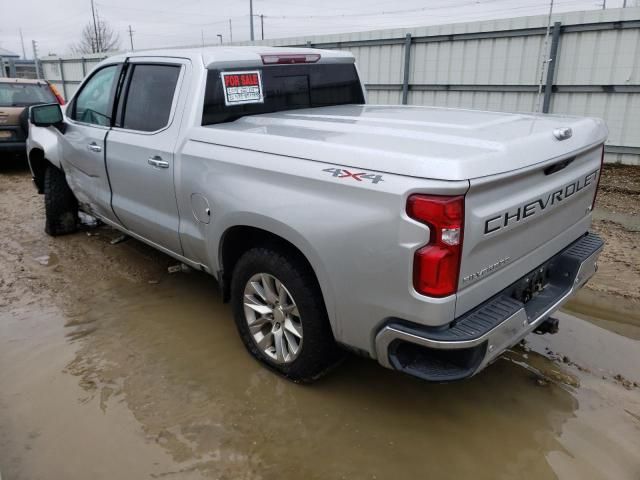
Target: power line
x,y
373,14
331,22
282,24
415,10
395,13
60,23
173,13
418,22
324,7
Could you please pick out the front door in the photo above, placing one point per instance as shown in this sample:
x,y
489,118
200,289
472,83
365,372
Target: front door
x,y
83,143
140,150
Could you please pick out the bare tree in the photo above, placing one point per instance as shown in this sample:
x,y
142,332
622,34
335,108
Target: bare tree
x,y
97,38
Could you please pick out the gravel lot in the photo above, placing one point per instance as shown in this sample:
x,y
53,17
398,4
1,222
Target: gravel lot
x,y
112,368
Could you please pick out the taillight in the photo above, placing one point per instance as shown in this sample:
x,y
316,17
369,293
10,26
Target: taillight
x,y
55,91
595,194
273,59
436,266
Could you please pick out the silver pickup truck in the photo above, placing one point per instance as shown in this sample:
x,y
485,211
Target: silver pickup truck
x,y
430,239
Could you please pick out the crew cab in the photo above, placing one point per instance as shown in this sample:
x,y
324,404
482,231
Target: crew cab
x,y
430,239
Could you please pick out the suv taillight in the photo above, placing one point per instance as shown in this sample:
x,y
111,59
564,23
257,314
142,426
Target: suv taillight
x,y
436,266
56,93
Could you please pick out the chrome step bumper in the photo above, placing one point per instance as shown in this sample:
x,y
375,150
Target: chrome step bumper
x,y
472,341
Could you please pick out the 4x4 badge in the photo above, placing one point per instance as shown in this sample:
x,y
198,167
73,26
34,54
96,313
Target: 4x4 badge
x,y
357,176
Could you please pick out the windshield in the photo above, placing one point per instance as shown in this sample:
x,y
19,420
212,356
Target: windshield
x,y
24,94
268,89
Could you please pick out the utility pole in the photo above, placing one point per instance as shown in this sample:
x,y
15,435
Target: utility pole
x,y
262,25
544,54
131,37
604,4
250,19
34,44
24,54
202,35
95,29
220,38
230,32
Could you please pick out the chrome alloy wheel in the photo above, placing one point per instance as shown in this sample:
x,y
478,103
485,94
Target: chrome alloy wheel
x,y
273,318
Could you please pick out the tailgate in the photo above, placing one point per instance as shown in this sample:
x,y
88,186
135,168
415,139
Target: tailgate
x,y
515,222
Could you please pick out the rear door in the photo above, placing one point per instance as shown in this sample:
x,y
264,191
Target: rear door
x,y
89,117
140,149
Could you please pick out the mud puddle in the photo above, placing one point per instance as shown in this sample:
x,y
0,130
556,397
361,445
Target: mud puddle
x,y
112,368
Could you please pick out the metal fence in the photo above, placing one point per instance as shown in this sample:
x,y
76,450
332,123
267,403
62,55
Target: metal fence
x,y
593,68
67,72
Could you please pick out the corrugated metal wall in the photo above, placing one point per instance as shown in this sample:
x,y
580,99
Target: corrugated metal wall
x,y
491,65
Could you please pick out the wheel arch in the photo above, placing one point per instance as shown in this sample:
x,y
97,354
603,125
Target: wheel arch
x,y
38,163
239,238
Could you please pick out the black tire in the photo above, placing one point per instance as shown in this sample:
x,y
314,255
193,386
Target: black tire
x,y
61,206
319,351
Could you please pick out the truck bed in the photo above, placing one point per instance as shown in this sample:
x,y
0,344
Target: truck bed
x,y
426,142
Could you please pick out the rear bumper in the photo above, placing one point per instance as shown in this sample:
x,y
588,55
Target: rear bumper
x,y
467,345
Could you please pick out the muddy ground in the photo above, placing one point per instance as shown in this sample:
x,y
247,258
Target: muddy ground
x,y
112,368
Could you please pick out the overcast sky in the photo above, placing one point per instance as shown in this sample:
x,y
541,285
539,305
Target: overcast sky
x,y
156,23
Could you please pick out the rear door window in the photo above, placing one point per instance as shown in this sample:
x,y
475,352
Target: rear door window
x,y
285,87
149,97
24,94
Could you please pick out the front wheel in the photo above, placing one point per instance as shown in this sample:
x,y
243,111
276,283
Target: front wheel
x,y
60,205
280,315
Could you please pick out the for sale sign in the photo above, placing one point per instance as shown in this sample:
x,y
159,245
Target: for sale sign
x,y
242,87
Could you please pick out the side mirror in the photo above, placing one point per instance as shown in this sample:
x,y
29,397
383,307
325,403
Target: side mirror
x,y
46,115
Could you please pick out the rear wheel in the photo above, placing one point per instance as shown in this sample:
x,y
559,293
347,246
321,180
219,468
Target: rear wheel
x,y
280,315
61,206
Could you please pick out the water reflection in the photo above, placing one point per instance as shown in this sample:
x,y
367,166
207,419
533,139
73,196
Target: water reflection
x,y
174,356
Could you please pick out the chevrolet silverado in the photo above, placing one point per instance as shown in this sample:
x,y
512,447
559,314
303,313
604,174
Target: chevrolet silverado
x,y
430,239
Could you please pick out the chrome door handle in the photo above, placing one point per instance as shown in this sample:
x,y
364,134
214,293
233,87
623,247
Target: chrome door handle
x,y
94,147
157,162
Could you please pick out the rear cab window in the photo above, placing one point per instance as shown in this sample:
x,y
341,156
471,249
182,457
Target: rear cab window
x,y
25,94
233,93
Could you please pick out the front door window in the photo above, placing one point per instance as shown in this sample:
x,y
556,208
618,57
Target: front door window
x,y
94,103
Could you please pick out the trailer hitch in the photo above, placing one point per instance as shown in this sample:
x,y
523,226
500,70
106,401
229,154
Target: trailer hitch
x,y
550,326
